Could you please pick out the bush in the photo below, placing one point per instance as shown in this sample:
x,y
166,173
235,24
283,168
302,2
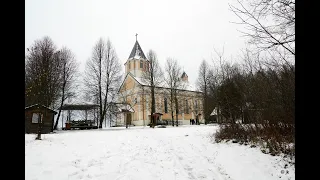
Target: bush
x,y
273,139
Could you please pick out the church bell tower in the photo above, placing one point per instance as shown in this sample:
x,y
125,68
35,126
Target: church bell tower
x,y
137,62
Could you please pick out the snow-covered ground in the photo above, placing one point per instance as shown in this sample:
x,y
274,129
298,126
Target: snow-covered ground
x,y
142,153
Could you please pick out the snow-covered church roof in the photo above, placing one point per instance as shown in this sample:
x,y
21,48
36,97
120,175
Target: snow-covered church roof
x,y
184,85
136,52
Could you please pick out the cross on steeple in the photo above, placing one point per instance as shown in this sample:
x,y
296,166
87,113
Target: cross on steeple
x,y
136,37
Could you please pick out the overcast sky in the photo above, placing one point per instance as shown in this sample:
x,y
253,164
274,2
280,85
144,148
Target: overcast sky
x,y
187,30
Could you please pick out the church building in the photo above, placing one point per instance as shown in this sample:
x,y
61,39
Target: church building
x,y
135,91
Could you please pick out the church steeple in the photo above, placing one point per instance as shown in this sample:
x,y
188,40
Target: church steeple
x,y
184,77
137,62
136,52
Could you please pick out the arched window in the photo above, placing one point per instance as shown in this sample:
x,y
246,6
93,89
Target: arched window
x,y
165,105
196,106
187,107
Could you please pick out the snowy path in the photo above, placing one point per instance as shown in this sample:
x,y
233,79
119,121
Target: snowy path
x,y
161,153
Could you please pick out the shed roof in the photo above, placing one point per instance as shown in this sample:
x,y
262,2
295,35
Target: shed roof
x,y
79,106
39,105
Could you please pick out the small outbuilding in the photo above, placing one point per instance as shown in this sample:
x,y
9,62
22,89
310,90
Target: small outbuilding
x,y
36,114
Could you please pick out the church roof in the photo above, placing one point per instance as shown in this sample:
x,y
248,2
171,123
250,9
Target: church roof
x,y
185,86
136,52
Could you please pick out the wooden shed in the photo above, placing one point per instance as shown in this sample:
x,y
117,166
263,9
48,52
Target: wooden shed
x,y
35,113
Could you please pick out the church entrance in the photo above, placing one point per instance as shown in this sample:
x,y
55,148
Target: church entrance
x,y
128,119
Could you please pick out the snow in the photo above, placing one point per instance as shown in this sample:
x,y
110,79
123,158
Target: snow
x,y
137,56
188,86
141,81
121,107
185,152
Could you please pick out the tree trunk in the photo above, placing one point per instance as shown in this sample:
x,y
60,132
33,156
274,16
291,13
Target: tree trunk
x,y
205,108
62,101
100,94
39,128
172,116
104,106
153,106
177,107
63,94
171,102
100,123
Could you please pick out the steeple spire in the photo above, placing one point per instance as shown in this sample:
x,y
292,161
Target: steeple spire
x,y
136,52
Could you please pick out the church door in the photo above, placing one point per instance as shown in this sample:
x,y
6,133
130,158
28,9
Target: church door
x,y
128,119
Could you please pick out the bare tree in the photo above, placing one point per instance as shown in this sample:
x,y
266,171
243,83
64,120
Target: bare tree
x,y
173,80
263,94
103,75
262,90
42,73
203,83
270,24
67,77
152,77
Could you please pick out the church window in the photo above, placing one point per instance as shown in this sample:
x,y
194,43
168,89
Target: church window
x,y
141,64
36,118
165,105
196,106
187,107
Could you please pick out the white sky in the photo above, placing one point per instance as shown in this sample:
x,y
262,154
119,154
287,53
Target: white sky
x,y
183,29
